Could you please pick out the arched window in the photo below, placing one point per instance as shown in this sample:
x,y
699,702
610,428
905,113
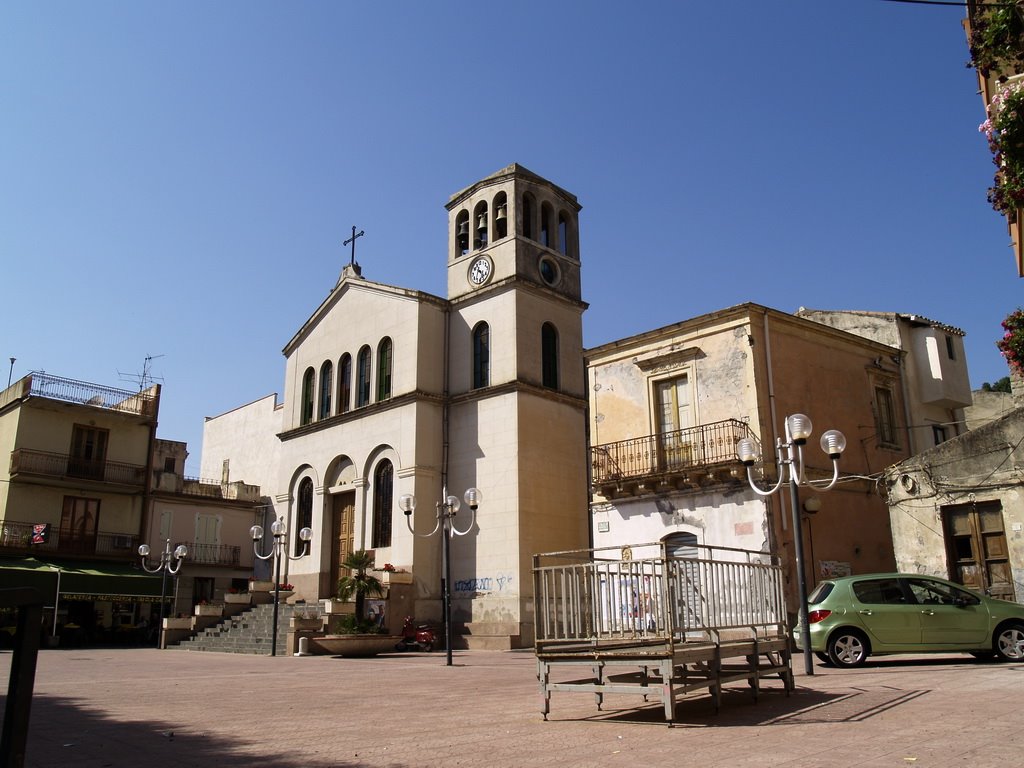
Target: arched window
x,y
326,388
563,233
345,383
303,513
462,234
500,216
545,224
549,356
383,490
363,377
480,226
481,356
308,384
384,370
528,208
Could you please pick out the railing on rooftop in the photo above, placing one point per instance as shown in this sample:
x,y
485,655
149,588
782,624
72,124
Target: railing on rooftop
x,y
62,465
40,384
669,452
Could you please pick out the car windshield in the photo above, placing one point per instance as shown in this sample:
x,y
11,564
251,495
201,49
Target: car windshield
x,y
823,590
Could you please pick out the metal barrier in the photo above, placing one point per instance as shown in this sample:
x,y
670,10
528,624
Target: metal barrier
x,y
586,596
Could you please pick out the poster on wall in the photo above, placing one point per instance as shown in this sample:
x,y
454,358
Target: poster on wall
x,y
834,569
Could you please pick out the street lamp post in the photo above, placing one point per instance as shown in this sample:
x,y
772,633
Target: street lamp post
x,y
278,551
789,456
446,511
170,564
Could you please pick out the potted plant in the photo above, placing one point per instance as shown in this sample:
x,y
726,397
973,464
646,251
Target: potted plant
x,y
236,597
356,635
997,37
1012,343
205,608
1005,132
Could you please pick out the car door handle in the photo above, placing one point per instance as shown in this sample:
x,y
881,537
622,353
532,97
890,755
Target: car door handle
x,y
866,612
928,612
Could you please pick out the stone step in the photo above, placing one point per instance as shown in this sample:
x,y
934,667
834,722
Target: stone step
x,y
247,632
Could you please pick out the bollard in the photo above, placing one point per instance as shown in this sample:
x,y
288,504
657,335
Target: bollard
x,y
303,647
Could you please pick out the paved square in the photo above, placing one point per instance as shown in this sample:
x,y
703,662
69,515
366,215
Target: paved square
x,y
139,707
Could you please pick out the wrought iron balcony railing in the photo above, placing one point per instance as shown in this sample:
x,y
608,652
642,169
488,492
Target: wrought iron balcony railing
x,y
669,453
213,554
62,465
39,384
17,535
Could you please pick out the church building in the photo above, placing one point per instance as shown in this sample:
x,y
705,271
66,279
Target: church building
x,y
391,391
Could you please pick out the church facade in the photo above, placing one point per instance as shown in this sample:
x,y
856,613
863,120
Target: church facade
x,y
391,391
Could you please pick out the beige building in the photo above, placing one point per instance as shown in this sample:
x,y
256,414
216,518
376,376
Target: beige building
x,y
957,509
391,391
668,406
935,380
84,460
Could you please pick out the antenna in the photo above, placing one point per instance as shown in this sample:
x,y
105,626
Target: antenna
x,y
145,379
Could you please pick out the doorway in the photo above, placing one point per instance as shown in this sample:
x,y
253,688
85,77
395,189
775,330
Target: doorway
x,y
976,548
343,509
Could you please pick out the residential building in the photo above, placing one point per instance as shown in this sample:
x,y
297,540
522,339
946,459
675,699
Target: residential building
x,y
957,509
935,380
668,406
83,483
391,391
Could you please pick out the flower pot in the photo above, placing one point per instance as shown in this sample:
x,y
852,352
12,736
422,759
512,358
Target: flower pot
x,y
256,585
209,610
352,645
334,606
395,577
243,598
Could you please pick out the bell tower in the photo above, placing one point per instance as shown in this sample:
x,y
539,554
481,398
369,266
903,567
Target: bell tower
x,y
516,397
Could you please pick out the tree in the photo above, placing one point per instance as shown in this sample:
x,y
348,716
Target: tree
x,y
358,583
1003,385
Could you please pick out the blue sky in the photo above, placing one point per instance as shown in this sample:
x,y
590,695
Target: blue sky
x,y
177,179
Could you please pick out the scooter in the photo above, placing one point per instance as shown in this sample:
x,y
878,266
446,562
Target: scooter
x,y
416,638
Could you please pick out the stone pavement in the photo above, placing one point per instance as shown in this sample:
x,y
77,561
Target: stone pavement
x,y
144,707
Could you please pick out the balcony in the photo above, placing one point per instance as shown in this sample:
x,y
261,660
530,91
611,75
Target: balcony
x,y
38,384
687,458
213,554
17,536
62,466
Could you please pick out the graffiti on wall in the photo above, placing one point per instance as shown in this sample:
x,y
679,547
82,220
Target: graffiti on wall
x,y
484,584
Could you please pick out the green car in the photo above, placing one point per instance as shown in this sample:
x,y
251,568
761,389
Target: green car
x,y
855,616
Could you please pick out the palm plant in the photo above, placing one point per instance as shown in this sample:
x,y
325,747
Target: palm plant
x,y
358,582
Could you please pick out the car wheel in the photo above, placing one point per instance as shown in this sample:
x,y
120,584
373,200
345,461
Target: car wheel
x,y
823,658
847,648
1009,642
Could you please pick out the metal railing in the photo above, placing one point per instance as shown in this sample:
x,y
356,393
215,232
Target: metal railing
x,y
213,554
17,535
62,465
607,596
39,384
676,451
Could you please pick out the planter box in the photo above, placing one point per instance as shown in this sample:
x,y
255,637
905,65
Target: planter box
x,y
334,606
298,624
174,623
352,645
394,577
209,610
240,599
261,586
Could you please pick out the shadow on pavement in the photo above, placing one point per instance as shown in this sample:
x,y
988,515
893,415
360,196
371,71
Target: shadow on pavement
x,y
773,707
64,733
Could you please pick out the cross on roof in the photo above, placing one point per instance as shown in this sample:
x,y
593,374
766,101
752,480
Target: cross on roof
x,y
353,241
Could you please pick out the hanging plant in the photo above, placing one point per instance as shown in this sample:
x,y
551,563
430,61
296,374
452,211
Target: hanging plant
x,y
997,37
1005,131
1012,343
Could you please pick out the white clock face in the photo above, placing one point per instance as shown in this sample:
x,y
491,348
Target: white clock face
x,y
479,271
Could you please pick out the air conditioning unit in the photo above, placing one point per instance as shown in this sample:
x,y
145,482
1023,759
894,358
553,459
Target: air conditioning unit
x,y
121,541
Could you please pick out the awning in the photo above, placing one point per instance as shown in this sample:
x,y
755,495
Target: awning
x,y
115,582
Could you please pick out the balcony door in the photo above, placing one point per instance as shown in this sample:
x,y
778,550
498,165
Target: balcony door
x,y
78,522
88,452
675,417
